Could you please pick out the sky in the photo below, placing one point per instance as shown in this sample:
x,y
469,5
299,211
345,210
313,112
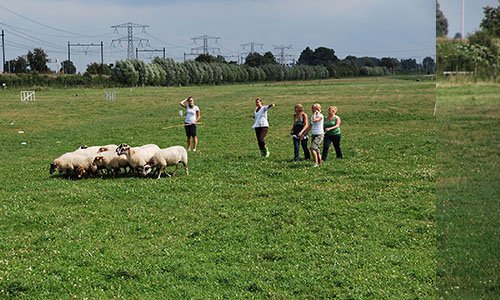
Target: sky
x,y
378,28
452,10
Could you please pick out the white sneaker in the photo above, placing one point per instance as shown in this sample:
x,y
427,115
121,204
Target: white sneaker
x,y
189,149
315,165
194,150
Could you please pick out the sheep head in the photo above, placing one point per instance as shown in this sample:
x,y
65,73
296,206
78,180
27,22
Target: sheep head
x,y
146,170
102,149
122,149
79,172
98,160
53,167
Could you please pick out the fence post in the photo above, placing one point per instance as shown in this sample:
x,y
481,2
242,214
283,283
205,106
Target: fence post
x,y
475,74
456,74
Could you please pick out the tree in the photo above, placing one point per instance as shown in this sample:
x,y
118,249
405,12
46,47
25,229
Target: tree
x,y
269,59
19,65
253,59
429,64
491,20
67,67
324,56
95,68
408,64
125,73
390,63
37,60
441,22
205,58
306,57
220,59
458,36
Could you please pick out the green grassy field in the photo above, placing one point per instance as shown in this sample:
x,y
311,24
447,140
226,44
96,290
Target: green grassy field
x,y
468,194
239,226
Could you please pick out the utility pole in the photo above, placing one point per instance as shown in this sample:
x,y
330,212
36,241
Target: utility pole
x,y
3,51
130,38
252,49
137,50
205,49
282,56
252,46
463,18
88,45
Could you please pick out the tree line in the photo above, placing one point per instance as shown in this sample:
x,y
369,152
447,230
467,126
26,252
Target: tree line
x,y
207,69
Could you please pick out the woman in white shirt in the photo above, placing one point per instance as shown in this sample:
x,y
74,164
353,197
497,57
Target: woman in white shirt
x,y
317,132
261,125
192,116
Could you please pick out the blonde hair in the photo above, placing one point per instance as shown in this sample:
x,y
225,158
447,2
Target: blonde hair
x,y
317,106
334,109
299,106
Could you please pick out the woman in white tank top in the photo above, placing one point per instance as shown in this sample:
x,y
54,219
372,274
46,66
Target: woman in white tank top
x,y
192,116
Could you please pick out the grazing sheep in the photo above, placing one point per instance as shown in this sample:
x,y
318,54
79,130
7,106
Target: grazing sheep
x,y
137,156
72,161
110,161
167,157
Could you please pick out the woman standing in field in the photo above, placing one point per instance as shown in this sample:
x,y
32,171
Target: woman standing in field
x,y
192,116
261,125
332,133
300,125
317,132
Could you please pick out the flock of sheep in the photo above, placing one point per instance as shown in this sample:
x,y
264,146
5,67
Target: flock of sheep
x,y
140,160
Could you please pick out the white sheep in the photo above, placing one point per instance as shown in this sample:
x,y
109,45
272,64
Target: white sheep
x,y
71,161
137,156
167,157
111,161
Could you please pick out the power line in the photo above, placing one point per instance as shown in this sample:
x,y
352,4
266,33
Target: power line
x,y
46,34
137,50
45,25
163,42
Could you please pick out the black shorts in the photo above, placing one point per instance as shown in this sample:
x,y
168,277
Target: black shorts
x,y
190,130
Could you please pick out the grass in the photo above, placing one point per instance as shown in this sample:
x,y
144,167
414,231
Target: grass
x,y
239,226
468,191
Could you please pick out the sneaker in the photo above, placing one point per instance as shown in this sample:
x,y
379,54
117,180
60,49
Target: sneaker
x,y
315,165
267,153
263,152
189,149
194,150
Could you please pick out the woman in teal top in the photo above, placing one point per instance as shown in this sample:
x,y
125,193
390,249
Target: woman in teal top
x,y
332,133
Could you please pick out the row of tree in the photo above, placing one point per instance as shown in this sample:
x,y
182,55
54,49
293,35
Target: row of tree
x,y
170,73
359,66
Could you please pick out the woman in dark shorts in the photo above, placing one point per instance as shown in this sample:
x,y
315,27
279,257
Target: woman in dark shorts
x,y
192,116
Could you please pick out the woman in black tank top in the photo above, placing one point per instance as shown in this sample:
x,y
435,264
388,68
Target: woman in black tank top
x,y
300,124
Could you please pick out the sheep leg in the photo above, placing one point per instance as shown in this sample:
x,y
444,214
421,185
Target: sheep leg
x,y
176,167
186,168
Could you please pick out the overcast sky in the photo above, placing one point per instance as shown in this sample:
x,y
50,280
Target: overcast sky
x,y
452,10
380,28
